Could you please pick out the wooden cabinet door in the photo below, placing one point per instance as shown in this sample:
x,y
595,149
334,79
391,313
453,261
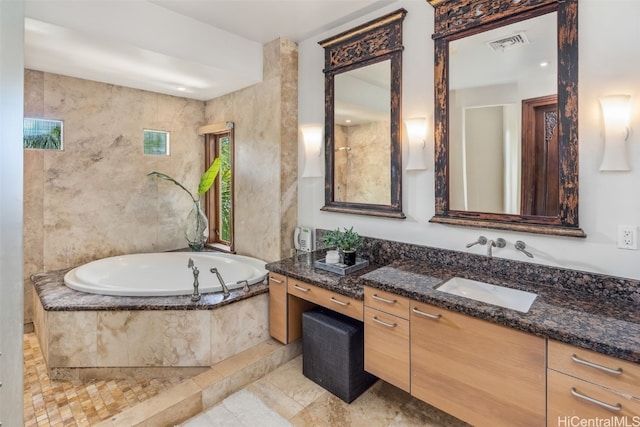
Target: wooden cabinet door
x,y
278,307
482,373
572,400
386,347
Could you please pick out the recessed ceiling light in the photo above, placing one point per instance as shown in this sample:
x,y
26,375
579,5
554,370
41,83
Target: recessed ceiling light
x,y
348,121
181,88
544,64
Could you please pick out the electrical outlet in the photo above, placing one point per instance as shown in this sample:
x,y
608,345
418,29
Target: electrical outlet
x,y
628,237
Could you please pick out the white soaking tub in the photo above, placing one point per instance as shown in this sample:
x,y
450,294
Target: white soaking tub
x,y
165,273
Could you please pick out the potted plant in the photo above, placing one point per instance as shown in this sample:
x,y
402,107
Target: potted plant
x,y
347,241
196,225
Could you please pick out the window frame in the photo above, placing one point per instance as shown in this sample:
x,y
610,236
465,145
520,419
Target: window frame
x,y
213,196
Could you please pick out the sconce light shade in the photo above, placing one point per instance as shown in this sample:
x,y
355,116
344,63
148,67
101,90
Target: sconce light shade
x,y
417,135
616,112
312,137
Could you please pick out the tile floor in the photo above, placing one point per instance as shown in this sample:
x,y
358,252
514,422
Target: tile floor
x,y
78,403
285,397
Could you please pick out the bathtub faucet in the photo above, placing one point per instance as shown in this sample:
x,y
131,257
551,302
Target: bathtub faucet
x,y
196,295
225,289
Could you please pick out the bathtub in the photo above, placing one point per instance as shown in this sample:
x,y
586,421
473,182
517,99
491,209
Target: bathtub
x,y
161,274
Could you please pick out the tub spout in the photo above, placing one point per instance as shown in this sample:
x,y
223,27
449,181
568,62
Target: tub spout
x,y
225,289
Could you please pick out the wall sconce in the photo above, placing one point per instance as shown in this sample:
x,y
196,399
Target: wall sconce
x,y
417,135
616,113
312,138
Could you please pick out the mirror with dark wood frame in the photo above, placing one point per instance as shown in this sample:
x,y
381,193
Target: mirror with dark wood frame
x,y
496,134
363,148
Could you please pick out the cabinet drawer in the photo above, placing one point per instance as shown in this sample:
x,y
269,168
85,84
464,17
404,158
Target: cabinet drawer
x,y
569,397
278,307
386,347
483,373
595,367
387,302
331,300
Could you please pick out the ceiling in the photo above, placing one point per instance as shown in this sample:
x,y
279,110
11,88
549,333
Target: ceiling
x,y
195,49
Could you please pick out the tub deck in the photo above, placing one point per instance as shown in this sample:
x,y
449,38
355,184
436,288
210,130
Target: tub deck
x,y
56,296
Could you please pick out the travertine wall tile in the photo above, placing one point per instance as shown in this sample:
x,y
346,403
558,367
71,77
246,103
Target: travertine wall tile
x,y
266,141
239,326
112,348
93,198
72,339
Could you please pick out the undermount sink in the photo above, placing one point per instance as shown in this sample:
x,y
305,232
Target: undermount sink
x,y
491,294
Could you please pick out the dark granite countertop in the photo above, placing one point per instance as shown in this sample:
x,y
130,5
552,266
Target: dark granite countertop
x,y
56,296
603,324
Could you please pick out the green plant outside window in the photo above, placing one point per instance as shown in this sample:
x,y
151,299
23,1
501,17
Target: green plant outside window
x,y
42,134
225,189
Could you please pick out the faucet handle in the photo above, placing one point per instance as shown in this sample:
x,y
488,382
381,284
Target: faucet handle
x,y
481,241
520,246
190,263
245,288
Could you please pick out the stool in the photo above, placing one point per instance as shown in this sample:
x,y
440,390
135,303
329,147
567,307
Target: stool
x,y
333,353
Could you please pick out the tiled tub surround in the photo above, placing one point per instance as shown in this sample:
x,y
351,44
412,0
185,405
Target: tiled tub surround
x,y
101,336
597,312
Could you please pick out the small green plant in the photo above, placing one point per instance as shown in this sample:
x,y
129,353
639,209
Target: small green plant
x,y
206,181
347,240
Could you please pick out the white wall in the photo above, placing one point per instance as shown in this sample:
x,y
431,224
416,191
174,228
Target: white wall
x,y
609,63
11,100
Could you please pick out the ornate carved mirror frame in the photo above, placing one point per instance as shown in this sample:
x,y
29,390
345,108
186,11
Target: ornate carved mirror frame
x,y
455,19
367,44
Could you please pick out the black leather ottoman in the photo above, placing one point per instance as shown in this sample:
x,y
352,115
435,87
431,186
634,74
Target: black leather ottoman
x,y
333,353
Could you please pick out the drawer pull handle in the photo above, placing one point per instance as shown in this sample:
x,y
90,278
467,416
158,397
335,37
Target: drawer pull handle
x,y
339,302
382,322
616,408
301,288
388,301
429,315
596,366
273,279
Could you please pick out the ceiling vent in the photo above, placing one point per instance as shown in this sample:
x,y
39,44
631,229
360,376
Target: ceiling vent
x,y
509,42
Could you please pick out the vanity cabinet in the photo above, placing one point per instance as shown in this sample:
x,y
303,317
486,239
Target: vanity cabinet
x,y
326,298
482,373
278,307
285,311
589,385
386,337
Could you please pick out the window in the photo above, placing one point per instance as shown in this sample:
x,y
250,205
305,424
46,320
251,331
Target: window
x,y
42,134
156,142
219,205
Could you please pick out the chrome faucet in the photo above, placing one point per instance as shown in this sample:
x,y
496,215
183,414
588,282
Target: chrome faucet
x,y
196,294
225,289
498,243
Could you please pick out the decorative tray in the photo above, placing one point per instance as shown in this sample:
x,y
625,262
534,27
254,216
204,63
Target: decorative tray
x,y
339,268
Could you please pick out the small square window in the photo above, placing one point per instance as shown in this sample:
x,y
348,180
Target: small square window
x,y
156,142
42,134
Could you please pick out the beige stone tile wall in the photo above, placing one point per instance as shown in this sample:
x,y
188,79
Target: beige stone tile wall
x,y
266,141
93,199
